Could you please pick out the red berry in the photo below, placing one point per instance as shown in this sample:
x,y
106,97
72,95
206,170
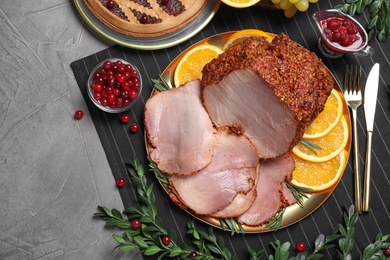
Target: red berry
x,y
346,40
134,128
111,97
120,182
193,255
166,240
110,4
386,251
136,223
133,94
300,247
334,23
144,19
79,114
125,118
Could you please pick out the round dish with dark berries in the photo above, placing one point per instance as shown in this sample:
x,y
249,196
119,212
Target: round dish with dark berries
x,y
146,18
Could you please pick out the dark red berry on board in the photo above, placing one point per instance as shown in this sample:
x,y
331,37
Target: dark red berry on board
x,y
125,118
386,251
300,246
78,114
134,128
193,255
166,240
136,223
120,182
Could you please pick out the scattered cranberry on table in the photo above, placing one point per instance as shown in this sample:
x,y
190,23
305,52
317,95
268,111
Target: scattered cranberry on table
x,y
193,255
340,30
136,223
120,182
300,246
134,128
125,118
78,114
166,240
386,251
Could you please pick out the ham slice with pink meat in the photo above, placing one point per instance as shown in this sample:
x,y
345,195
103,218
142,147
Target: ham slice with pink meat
x,y
229,177
179,130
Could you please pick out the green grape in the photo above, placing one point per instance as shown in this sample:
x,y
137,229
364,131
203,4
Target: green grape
x,y
290,12
275,1
302,5
294,2
285,4
313,1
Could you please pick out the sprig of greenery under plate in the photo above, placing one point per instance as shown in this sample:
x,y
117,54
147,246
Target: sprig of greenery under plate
x,y
147,237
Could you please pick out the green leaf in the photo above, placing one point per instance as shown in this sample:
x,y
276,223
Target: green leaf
x,y
140,241
118,239
152,250
117,213
175,251
127,247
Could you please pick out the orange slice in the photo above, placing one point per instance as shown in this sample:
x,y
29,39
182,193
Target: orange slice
x,y
331,144
240,3
240,36
318,176
327,119
191,65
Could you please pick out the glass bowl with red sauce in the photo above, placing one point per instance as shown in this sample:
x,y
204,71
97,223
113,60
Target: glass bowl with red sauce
x,y
341,34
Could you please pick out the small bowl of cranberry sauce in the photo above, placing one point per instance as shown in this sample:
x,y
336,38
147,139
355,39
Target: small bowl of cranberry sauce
x,y
340,34
114,85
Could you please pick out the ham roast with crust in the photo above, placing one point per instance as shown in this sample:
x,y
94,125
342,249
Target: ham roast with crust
x,y
224,141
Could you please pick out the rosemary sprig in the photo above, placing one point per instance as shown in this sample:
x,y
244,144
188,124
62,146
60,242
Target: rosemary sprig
x,y
161,84
232,225
298,193
310,145
276,221
159,175
379,24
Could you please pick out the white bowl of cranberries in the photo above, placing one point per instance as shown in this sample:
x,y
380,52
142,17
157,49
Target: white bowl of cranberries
x,y
114,85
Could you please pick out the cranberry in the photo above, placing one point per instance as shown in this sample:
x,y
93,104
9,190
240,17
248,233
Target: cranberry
x,y
193,255
97,95
136,223
134,128
352,29
133,94
166,240
300,247
386,251
111,97
79,114
125,118
104,101
120,182
110,4
144,19
334,24
336,36
346,40
108,64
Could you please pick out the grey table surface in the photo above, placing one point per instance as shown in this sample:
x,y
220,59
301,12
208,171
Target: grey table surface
x,y
52,167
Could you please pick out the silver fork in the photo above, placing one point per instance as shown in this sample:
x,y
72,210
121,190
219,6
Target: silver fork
x,y
353,96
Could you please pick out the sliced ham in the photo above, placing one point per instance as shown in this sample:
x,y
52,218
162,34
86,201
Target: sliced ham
x,y
243,98
269,200
179,130
232,171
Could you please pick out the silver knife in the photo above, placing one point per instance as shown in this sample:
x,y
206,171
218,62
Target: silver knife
x,y
370,96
